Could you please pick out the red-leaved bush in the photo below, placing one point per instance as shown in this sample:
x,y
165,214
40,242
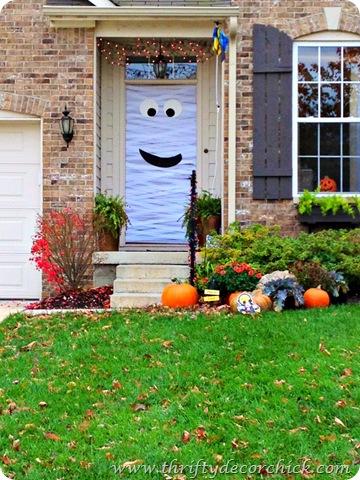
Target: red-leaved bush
x,y
62,248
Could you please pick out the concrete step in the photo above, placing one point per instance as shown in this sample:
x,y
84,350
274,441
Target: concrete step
x,y
134,300
142,276
146,258
152,271
124,285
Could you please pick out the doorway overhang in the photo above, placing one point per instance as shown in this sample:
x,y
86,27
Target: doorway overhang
x,y
138,18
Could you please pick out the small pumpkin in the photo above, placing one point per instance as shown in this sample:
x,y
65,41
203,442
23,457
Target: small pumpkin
x,y
264,301
316,298
232,296
328,184
179,295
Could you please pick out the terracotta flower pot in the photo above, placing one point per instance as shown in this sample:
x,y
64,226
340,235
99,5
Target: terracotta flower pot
x,y
206,226
108,243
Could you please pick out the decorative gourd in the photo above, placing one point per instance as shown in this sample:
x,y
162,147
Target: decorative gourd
x,y
232,296
316,298
250,300
179,295
264,302
234,305
327,184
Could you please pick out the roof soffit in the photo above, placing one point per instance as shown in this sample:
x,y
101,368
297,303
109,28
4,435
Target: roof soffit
x,y
137,19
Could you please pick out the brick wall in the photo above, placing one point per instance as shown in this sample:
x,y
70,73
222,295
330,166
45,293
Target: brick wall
x,y
42,69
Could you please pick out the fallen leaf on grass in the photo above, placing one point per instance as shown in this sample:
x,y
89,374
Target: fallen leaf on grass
x,y
116,384
341,403
278,383
15,445
28,347
51,436
186,437
137,407
200,432
325,438
346,373
302,429
337,421
132,463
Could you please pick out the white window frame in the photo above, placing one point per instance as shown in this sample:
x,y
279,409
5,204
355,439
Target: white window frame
x,y
319,40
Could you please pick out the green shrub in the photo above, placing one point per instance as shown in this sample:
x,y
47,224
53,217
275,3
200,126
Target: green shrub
x,y
267,250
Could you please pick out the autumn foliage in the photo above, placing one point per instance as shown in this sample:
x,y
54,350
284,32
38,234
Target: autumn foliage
x,y
62,248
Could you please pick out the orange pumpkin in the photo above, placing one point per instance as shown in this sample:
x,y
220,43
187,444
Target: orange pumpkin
x,y
232,296
316,298
264,302
179,295
327,184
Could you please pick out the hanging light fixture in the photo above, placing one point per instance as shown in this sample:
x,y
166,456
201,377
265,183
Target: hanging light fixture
x,y
160,64
67,126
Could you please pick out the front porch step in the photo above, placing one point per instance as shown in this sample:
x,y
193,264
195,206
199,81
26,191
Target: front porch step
x,y
142,276
140,272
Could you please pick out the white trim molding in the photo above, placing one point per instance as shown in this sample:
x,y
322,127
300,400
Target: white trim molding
x,y
136,17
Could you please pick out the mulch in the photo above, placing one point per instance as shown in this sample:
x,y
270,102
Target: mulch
x,y
99,298
93,298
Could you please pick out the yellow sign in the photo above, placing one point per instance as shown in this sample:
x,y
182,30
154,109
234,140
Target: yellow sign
x,y
213,298
212,292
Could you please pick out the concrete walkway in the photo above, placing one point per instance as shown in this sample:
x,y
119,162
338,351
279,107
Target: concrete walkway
x,y
7,307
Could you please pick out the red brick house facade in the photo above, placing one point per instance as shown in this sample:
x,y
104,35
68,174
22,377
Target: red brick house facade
x,y
51,58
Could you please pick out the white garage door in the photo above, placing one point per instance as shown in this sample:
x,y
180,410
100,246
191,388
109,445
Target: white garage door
x,y
20,198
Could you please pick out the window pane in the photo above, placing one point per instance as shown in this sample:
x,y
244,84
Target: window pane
x,y
331,100
308,139
308,64
308,100
330,167
351,100
146,70
352,64
308,174
352,174
351,139
330,139
330,64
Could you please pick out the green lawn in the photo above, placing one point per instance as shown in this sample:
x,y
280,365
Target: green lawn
x,y
194,395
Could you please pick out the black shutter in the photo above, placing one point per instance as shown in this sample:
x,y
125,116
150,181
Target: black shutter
x,y
272,143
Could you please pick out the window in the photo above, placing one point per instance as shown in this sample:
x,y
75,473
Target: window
x,y
142,70
327,116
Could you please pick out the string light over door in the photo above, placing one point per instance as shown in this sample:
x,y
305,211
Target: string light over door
x,y
125,52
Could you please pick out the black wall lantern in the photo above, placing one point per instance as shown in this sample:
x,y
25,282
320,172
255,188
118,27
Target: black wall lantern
x,y
160,65
67,126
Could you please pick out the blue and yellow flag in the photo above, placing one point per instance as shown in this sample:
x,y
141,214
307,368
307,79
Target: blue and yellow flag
x,y
220,42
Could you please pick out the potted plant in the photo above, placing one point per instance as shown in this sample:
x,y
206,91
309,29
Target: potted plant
x,y
110,218
328,208
207,216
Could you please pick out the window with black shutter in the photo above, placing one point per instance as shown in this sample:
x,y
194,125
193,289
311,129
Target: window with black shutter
x,y
272,143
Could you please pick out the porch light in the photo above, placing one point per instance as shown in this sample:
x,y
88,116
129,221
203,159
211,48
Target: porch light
x,y
67,126
160,65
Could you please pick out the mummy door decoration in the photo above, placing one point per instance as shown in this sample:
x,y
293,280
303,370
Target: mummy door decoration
x,y
160,156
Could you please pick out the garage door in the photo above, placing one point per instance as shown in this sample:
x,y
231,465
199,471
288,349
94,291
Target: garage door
x,y
19,205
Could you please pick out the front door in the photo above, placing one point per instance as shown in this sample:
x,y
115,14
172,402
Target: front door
x,y
160,156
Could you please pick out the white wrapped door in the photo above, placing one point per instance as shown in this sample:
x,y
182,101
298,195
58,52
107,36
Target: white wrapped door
x,y
160,156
